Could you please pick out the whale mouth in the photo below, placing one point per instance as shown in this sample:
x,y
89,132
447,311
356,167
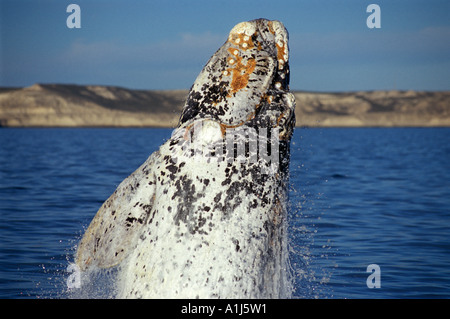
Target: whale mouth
x,y
246,82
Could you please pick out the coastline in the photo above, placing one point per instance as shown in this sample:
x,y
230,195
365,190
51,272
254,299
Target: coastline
x,y
61,105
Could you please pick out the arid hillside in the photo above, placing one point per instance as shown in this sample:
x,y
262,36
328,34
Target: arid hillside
x,y
57,105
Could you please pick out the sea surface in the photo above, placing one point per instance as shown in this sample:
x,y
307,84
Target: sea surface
x,y
358,197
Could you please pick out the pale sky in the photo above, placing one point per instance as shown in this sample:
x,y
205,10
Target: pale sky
x,y
163,45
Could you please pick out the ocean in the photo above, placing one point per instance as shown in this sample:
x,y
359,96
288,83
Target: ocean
x,y
369,208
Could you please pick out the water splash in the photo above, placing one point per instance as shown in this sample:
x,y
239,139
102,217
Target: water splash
x,y
305,278
307,257
94,284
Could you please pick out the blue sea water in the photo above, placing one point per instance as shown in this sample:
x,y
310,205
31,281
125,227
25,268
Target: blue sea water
x,y
358,196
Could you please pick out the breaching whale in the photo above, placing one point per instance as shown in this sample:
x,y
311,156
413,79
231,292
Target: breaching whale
x,y
205,215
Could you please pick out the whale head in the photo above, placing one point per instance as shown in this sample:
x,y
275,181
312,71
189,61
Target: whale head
x,y
246,82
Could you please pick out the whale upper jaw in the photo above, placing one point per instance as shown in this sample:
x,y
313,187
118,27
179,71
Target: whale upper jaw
x,y
246,82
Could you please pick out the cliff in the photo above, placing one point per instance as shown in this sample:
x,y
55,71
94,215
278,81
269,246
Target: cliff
x,y
53,105
374,108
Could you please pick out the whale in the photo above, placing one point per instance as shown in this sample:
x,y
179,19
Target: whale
x,y
205,216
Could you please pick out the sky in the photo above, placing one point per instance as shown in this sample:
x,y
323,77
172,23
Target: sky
x,y
163,45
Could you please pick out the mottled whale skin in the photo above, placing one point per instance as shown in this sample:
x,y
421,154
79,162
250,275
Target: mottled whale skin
x,y
199,218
